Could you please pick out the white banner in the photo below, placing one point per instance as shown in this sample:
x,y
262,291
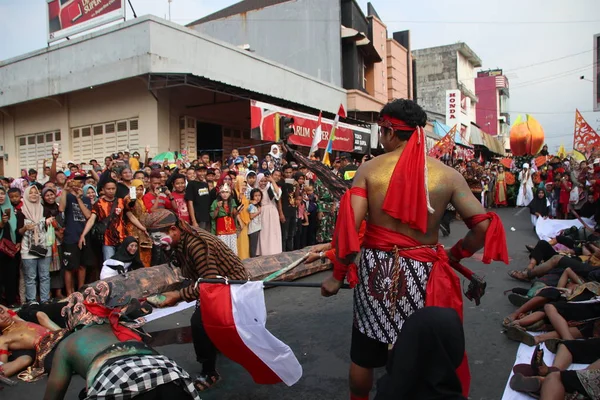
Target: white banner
x,y
453,107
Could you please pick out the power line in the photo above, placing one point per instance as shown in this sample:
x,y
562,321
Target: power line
x,y
547,61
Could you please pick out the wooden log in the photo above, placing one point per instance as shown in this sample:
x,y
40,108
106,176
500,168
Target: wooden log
x,y
147,282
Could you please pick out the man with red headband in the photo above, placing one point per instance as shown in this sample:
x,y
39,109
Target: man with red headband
x,y
402,266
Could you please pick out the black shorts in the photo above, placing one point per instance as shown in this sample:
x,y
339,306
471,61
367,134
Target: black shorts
x,y
366,352
74,257
571,382
583,351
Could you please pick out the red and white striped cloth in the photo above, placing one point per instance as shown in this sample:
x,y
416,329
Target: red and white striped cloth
x,y
234,318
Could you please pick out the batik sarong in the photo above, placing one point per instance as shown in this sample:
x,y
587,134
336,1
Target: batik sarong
x,y
391,288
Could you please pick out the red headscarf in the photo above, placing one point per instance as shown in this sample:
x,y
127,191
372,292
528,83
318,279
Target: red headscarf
x,y
407,197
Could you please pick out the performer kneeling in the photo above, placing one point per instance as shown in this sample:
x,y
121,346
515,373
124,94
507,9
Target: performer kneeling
x,y
402,266
199,255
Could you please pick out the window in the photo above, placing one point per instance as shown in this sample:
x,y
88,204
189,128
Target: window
x,y
34,149
99,141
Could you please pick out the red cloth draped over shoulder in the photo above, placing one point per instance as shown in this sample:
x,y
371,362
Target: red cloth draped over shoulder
x,y
121,332
495,237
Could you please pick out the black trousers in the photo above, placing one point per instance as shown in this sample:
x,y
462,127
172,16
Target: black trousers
x,y
253,238
206,352
288,230
9,277
542,251
311,233
301,235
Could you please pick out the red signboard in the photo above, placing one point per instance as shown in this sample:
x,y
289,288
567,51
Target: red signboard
x,y
69,17
305,126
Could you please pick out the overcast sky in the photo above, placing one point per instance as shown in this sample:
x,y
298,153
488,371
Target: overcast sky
x,y
507,34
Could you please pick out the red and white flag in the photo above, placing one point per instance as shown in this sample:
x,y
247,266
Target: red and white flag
x,y
234,318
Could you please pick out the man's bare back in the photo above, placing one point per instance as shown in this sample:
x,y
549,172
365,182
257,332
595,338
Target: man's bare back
x,y
445,186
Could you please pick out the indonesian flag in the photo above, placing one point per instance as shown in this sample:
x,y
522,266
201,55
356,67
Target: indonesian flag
x,y
234,318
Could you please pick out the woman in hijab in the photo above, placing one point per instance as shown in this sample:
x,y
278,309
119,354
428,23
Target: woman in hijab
x,y
138,209
275,153
35,253
126,259
270,234
264,167
90,192
9,272
425,357
243,218
539,207
54,236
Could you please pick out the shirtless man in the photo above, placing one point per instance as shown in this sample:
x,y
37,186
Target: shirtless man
x,y
115,369
18,335
402,266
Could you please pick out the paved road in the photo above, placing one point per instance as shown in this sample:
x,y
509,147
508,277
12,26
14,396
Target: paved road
x,y
318,330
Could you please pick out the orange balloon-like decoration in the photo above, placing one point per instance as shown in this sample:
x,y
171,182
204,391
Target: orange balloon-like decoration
x,y
526,136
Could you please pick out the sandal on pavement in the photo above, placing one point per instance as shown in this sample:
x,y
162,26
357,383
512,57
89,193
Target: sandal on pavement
x,y
520,335
521,276
529,385
517,300
206,381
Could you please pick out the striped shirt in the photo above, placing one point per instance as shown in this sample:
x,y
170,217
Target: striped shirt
x,y
202,255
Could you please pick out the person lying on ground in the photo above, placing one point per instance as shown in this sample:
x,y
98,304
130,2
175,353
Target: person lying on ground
x,y
570,321
18,342
545,250
570,287
114,368
555,382
554,268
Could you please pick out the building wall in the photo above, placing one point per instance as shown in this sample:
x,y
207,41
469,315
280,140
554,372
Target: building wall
x,y
487,107
113,102
399,86
436,72
378,82
301,34
465,72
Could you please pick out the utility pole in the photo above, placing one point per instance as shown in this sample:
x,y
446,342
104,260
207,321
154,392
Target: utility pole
x,y
169,9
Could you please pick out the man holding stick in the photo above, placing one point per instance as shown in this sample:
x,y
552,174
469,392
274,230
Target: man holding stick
x,y
402,266
199,255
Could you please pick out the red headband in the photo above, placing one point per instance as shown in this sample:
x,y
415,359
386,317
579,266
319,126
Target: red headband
x,y
396,124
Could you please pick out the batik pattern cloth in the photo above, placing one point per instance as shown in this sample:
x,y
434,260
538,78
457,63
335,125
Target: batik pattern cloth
x,y
391,289
590,380
132,376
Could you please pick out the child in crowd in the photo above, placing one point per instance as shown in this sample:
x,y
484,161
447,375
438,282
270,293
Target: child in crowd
x,y
255,220
301,223
178,202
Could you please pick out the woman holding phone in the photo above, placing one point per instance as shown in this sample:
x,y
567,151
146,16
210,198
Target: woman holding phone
x,y
9,272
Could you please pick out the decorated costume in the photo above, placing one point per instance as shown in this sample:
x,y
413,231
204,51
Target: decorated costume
x,y
398,275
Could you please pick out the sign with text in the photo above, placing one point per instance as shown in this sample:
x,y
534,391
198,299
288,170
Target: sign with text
x,y
68,17
361,142
453,107
262,116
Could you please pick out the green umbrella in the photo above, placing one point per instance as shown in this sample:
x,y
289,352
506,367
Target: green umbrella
x,y
168,156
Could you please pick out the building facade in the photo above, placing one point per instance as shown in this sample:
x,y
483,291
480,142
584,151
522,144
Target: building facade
x,y
331,40
445,81
492,91
155,89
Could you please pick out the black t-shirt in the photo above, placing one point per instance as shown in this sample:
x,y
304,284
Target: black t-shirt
x,y
122,190
74,219
197,192
288,201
